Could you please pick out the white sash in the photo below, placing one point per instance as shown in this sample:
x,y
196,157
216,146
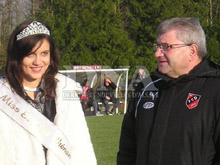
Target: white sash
x,y
35,123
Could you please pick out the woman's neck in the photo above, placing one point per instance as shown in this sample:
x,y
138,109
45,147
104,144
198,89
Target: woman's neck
x,y
32,95
30,84
31,88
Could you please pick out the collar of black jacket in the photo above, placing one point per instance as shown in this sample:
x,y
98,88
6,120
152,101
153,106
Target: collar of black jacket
x,y
205,68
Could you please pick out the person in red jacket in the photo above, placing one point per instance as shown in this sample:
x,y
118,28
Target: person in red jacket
x,y
87,98
174,117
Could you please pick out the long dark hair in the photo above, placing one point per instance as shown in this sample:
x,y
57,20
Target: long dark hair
x,y
18,49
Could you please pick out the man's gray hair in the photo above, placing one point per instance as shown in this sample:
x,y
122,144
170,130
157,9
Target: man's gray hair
x,y
188,31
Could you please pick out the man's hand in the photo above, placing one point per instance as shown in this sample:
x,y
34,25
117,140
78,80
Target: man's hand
x,y
108,80
107,98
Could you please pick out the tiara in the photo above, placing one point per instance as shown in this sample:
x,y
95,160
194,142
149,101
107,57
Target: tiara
x,y
33,28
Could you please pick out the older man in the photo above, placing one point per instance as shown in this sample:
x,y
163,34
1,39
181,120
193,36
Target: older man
x,y
174,120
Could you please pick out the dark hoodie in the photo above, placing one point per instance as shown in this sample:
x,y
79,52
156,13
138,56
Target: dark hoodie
x,y
173,121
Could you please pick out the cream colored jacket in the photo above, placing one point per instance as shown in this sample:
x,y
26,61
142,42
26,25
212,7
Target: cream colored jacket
x,y
18,147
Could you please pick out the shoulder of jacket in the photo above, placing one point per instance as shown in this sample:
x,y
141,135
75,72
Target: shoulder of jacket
x,y
67,83
149,83
3,81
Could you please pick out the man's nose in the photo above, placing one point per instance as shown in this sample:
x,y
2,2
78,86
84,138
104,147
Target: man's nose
x,y
159,52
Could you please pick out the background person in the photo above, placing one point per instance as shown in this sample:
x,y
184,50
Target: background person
x,y
139,76
175,120
49,130
108,95
87,98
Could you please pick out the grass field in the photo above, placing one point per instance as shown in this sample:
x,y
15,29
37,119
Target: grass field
x,y
105,133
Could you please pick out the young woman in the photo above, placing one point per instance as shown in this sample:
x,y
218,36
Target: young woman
x,y
87,98
41,119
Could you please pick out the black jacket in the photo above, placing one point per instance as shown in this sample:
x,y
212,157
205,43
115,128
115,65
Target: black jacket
x,y
107,91
173,121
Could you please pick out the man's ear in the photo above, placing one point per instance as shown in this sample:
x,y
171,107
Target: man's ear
x,y
193,54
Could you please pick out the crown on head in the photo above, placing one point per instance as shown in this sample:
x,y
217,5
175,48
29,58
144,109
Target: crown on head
x,y
33,28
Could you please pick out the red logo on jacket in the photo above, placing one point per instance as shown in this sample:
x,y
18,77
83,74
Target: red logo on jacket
x,y
192,100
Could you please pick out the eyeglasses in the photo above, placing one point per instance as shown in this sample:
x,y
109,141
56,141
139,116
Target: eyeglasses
x,y
166,47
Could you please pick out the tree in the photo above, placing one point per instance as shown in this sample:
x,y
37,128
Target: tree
x,y
88,33
213,32
143,16
122,32
12,13
6,24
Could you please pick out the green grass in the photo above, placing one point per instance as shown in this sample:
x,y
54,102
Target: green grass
x,y
105,133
